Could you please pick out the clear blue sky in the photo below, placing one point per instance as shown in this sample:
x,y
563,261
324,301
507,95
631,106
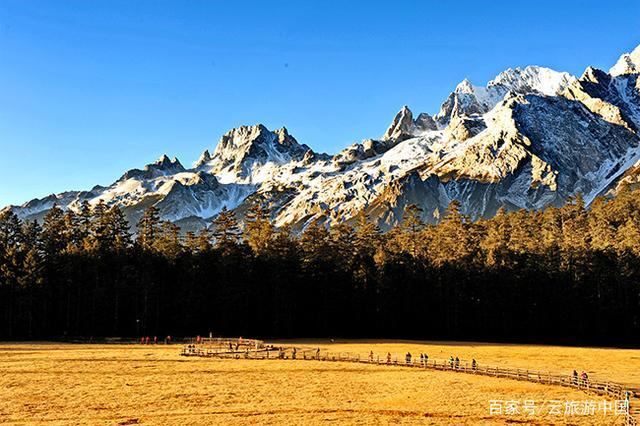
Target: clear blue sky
x,y
89,89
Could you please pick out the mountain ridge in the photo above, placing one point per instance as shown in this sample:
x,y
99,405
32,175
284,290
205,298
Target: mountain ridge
x,y
532,137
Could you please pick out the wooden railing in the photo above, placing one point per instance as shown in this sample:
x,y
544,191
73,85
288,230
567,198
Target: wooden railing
x,y
609,389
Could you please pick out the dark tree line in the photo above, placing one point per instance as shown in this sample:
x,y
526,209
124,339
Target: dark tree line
x,y
565,274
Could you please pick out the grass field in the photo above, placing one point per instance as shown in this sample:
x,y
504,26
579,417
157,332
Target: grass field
x,y
101,384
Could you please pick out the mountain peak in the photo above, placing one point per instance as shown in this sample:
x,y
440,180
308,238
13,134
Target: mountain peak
x,y
165,163
245,148
204,158
533,79
401,127
464,86
629,63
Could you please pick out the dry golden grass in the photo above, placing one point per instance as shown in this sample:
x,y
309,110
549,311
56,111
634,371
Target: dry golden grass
x,y
100,384
618,365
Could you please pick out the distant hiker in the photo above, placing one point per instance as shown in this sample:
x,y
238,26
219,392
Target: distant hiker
x,y
407,358
388,358
584,377
575,377
474,364
371,356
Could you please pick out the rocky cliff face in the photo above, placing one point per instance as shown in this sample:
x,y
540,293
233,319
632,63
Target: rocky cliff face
x,y
530,138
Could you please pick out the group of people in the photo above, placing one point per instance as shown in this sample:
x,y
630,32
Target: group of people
x,y
281,353
581,379
454,363
147,340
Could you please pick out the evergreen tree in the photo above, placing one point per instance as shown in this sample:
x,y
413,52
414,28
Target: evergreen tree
x,y
204,240
148,228
258,230
54,232
411,230
226,229
11,239
168,241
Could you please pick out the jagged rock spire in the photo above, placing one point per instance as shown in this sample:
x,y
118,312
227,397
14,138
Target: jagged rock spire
x,y
401,127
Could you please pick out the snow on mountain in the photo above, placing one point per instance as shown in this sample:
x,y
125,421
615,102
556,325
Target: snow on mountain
x,y
530,138
629,63
249,153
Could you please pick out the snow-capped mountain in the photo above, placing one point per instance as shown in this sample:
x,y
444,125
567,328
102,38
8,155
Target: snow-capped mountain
x,y
530,138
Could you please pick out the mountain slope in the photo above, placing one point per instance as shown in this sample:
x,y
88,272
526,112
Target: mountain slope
x,y
530,138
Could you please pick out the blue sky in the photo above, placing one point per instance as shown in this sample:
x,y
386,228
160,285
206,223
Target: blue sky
x,y
89,89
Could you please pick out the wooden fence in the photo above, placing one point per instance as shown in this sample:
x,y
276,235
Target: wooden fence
x,y
612,390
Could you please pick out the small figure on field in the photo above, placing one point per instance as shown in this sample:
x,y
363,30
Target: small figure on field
x,y
575,377
318,353
426,359
474,364
451,361
584,377
407,358
457,362
388,357
293,353
230,347
371,356
155,340
147,340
